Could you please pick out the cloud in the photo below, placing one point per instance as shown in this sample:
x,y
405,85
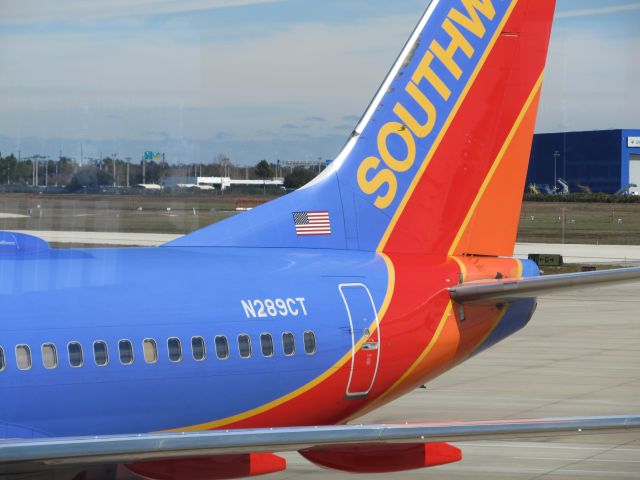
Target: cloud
x,y
28,11
599,11
315,119
351,118
580,92
155,134
291,126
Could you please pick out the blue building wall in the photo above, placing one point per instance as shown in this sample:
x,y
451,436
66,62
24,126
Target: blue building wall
x,y
597,159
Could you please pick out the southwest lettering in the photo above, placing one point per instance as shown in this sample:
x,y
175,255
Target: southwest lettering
x,y
378,174
420,130
424,71
473,23
395,128
458,42
382,178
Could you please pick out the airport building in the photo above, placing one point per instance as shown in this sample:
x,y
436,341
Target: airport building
x,y
598,161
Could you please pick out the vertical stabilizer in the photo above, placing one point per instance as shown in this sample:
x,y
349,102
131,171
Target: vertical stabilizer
x,y
438,162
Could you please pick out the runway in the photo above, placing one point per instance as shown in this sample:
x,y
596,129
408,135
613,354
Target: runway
x,y
580,356
576,253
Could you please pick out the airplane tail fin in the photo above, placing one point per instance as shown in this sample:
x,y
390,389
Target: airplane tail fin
x,y
438,162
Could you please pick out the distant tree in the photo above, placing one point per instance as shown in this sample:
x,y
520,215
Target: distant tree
x,y
65,166
90,177
221,166
12,170
263,170
23,171
4,169
298,178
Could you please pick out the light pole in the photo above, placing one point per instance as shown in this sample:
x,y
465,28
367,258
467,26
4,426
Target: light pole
x,y
113,159
128,159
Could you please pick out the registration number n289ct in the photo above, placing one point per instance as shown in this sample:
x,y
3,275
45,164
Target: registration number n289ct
x,y
277,307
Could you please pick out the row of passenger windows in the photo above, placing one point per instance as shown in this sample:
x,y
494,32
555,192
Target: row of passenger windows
x,y
150,350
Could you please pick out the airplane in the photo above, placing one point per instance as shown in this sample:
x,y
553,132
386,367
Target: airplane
x,y
271,331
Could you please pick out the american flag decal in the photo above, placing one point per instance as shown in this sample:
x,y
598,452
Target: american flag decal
x,y
312,223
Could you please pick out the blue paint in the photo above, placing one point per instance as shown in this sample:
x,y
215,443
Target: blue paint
x,y
135,294
529,269
517,317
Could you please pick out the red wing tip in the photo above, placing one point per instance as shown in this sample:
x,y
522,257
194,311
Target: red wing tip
x,y
441,454
264,463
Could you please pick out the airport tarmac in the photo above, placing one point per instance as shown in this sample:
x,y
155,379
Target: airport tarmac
x,y
576,253
579,356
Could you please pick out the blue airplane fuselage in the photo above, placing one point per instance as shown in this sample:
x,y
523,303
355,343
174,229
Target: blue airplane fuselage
x,y
57,297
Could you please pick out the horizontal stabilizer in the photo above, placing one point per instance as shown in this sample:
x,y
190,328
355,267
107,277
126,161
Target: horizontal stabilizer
x,y
505,290
12,243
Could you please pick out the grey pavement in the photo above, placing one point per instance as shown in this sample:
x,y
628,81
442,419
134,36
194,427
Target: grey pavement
x,y
575,253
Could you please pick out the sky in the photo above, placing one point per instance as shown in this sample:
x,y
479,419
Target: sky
x,y
254,79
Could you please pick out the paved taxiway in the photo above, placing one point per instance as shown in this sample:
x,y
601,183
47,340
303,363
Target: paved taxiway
x,y
579,356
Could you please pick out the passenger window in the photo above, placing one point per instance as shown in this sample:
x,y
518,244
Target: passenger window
x,y
222,348
288,344
75,354
2,364
198,349
49,356
175,350
150,349
309,343
126,352
100,353
23,357
266,342
244,345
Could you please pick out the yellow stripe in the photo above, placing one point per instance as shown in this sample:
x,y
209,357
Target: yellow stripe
x,y
391,285
497,163
444,130
520,267
463,267
391,278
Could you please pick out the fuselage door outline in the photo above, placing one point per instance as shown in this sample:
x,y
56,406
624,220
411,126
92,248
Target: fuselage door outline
x,y
361,328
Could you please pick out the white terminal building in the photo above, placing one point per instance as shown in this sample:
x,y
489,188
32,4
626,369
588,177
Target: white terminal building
x,y
225,182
